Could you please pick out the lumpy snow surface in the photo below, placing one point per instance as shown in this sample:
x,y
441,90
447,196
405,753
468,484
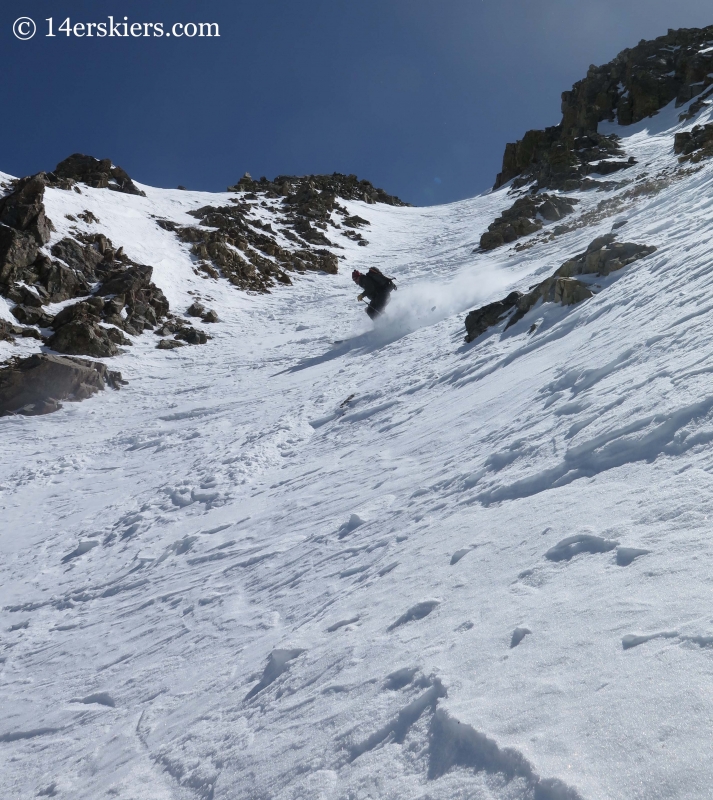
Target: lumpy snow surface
x,y
298,561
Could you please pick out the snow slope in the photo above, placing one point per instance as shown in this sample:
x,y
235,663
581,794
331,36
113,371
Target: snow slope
x,y
300,552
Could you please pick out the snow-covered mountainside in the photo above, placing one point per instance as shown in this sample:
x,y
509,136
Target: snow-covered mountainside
x,y
319,558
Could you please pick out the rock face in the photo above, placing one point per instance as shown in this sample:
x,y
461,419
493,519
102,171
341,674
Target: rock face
x,y
524,217
636,84
37,384
603,256
555,161
479,320
99,173
695,144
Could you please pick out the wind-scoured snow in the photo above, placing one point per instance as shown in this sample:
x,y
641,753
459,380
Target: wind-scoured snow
x,y
321,559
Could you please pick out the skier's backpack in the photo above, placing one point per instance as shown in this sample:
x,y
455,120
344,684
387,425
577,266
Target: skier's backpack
x,y
382,282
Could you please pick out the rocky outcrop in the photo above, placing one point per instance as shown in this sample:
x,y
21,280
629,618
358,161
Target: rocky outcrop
x,y
245,250
23,209
255,255
98,173
480,319
550,160
603,256
525,216
695,144
294,188
37,384
636,84
123,294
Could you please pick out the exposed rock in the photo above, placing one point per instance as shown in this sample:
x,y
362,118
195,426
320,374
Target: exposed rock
x,y
125,298
524,217
8,331
355,221
246,250
37,384
23,209
196,309
552,161
603,256
169,344
564,291
634,85
31,315
18,251
88,217
695,144
480,319
101,174
83,258
348,187
236,246
24,295
181,331
192,335
85,338
58,281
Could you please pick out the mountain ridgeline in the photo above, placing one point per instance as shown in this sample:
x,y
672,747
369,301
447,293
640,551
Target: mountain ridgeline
x,y
78,292
636,84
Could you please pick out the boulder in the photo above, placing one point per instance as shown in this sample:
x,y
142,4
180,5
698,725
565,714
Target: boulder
x,y
192,335
169,344
88,310
37,384
31,315
196,309
8,331
83,337
23,295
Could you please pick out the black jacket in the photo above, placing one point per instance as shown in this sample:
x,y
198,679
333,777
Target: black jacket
x,y
375,283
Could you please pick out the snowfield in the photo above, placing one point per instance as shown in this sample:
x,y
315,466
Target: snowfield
x,y
289,564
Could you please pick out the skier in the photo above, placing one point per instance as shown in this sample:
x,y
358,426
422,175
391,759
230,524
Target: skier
x,y
377,288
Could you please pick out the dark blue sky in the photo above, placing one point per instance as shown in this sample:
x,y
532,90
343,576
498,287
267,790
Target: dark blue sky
x,y
418,96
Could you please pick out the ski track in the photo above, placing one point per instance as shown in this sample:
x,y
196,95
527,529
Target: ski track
x,y
224,581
